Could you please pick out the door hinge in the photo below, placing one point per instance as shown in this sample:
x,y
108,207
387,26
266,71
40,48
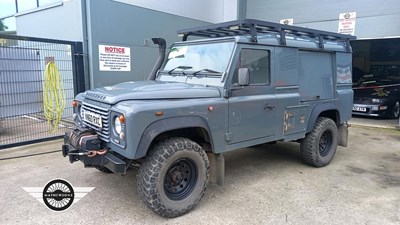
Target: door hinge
x,y
228,137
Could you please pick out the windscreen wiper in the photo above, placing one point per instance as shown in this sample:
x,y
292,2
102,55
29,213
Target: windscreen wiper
x,y
180,67
205,70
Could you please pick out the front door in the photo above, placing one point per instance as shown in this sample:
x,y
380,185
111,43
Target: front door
x,y
252,108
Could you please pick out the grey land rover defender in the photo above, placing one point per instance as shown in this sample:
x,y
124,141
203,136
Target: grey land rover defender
x,y
239,84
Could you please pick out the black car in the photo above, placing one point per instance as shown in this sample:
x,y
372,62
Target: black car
x,y
377,97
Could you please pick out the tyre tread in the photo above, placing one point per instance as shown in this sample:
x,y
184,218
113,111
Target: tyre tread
x,y
152,165
309,146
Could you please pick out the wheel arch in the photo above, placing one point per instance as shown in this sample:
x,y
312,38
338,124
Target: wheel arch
x,y
328,110
192,127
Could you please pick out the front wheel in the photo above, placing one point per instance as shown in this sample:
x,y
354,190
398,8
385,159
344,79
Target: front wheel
x,y
173,177
319,146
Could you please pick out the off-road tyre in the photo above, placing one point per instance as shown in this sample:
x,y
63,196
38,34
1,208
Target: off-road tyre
x,y
174,176
396,110
319,146
103,169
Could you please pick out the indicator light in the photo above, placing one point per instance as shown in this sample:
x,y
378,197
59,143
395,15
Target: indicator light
x,y
121,119
159,113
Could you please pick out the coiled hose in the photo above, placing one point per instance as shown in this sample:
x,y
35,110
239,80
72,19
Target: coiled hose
x,y
53,96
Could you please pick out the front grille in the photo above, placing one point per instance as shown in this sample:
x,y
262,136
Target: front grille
x,y
104,131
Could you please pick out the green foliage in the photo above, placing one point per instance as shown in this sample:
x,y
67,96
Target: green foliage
x,y
2,26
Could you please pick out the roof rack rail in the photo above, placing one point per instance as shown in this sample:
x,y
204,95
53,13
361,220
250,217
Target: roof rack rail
x,y
257,27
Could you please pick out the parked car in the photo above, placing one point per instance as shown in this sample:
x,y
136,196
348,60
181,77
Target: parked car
x,y
377,97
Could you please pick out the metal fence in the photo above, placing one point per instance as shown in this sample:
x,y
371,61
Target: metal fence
x,y
23,62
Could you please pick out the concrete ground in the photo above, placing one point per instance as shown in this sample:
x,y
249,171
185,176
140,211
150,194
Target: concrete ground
x,y
267,184
374,122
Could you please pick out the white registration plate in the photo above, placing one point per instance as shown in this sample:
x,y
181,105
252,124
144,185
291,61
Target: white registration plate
x,y
359,109
92,118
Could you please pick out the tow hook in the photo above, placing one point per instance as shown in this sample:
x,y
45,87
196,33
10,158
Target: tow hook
x,y
91,153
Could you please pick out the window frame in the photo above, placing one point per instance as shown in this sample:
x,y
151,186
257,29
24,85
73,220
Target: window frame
x,y
237,63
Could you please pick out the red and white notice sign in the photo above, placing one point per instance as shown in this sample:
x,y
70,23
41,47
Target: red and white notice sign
x,y
114,58
347,23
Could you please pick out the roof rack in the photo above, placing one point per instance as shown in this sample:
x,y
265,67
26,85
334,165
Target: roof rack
x,y
257,27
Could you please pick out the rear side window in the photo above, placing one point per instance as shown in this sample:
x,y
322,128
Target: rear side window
x,y
258,63
315,75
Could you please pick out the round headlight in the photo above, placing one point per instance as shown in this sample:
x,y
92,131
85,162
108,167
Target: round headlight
x,y
117,125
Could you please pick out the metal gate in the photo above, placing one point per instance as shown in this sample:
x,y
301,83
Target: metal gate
x,y
22,75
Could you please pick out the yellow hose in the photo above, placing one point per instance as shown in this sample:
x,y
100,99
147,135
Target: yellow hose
x,y
53,96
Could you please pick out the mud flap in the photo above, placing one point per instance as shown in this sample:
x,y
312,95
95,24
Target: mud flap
x,y
343,134
217,167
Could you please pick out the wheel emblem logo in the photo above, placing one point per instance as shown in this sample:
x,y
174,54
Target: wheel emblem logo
x,y
58,195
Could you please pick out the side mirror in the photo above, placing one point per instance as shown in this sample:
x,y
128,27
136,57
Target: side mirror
x,y
244,76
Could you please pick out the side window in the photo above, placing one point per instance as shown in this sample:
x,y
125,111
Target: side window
x,y
258,63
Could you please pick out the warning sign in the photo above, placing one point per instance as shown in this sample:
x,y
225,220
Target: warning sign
x,y
347,23
114,58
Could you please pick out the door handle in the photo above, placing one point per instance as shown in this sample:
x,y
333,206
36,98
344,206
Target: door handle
x,y
269,107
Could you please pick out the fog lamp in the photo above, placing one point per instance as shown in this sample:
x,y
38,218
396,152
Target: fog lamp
x,y
382,107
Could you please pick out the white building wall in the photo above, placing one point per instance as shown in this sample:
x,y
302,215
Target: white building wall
x,y
230,10
61,20
213,11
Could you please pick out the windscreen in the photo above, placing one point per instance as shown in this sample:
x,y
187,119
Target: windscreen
x,y
199,63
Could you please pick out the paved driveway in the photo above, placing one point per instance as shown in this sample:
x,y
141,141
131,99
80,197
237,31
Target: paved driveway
x,y
267,184
375,122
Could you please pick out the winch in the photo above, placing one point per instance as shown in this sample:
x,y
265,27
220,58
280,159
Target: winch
x,y
85,146
84,139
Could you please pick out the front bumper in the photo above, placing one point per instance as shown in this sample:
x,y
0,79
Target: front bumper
x,y
369,110
82,153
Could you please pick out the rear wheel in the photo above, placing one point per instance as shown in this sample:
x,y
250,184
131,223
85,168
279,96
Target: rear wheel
x,y
396,110
319,146
173,177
